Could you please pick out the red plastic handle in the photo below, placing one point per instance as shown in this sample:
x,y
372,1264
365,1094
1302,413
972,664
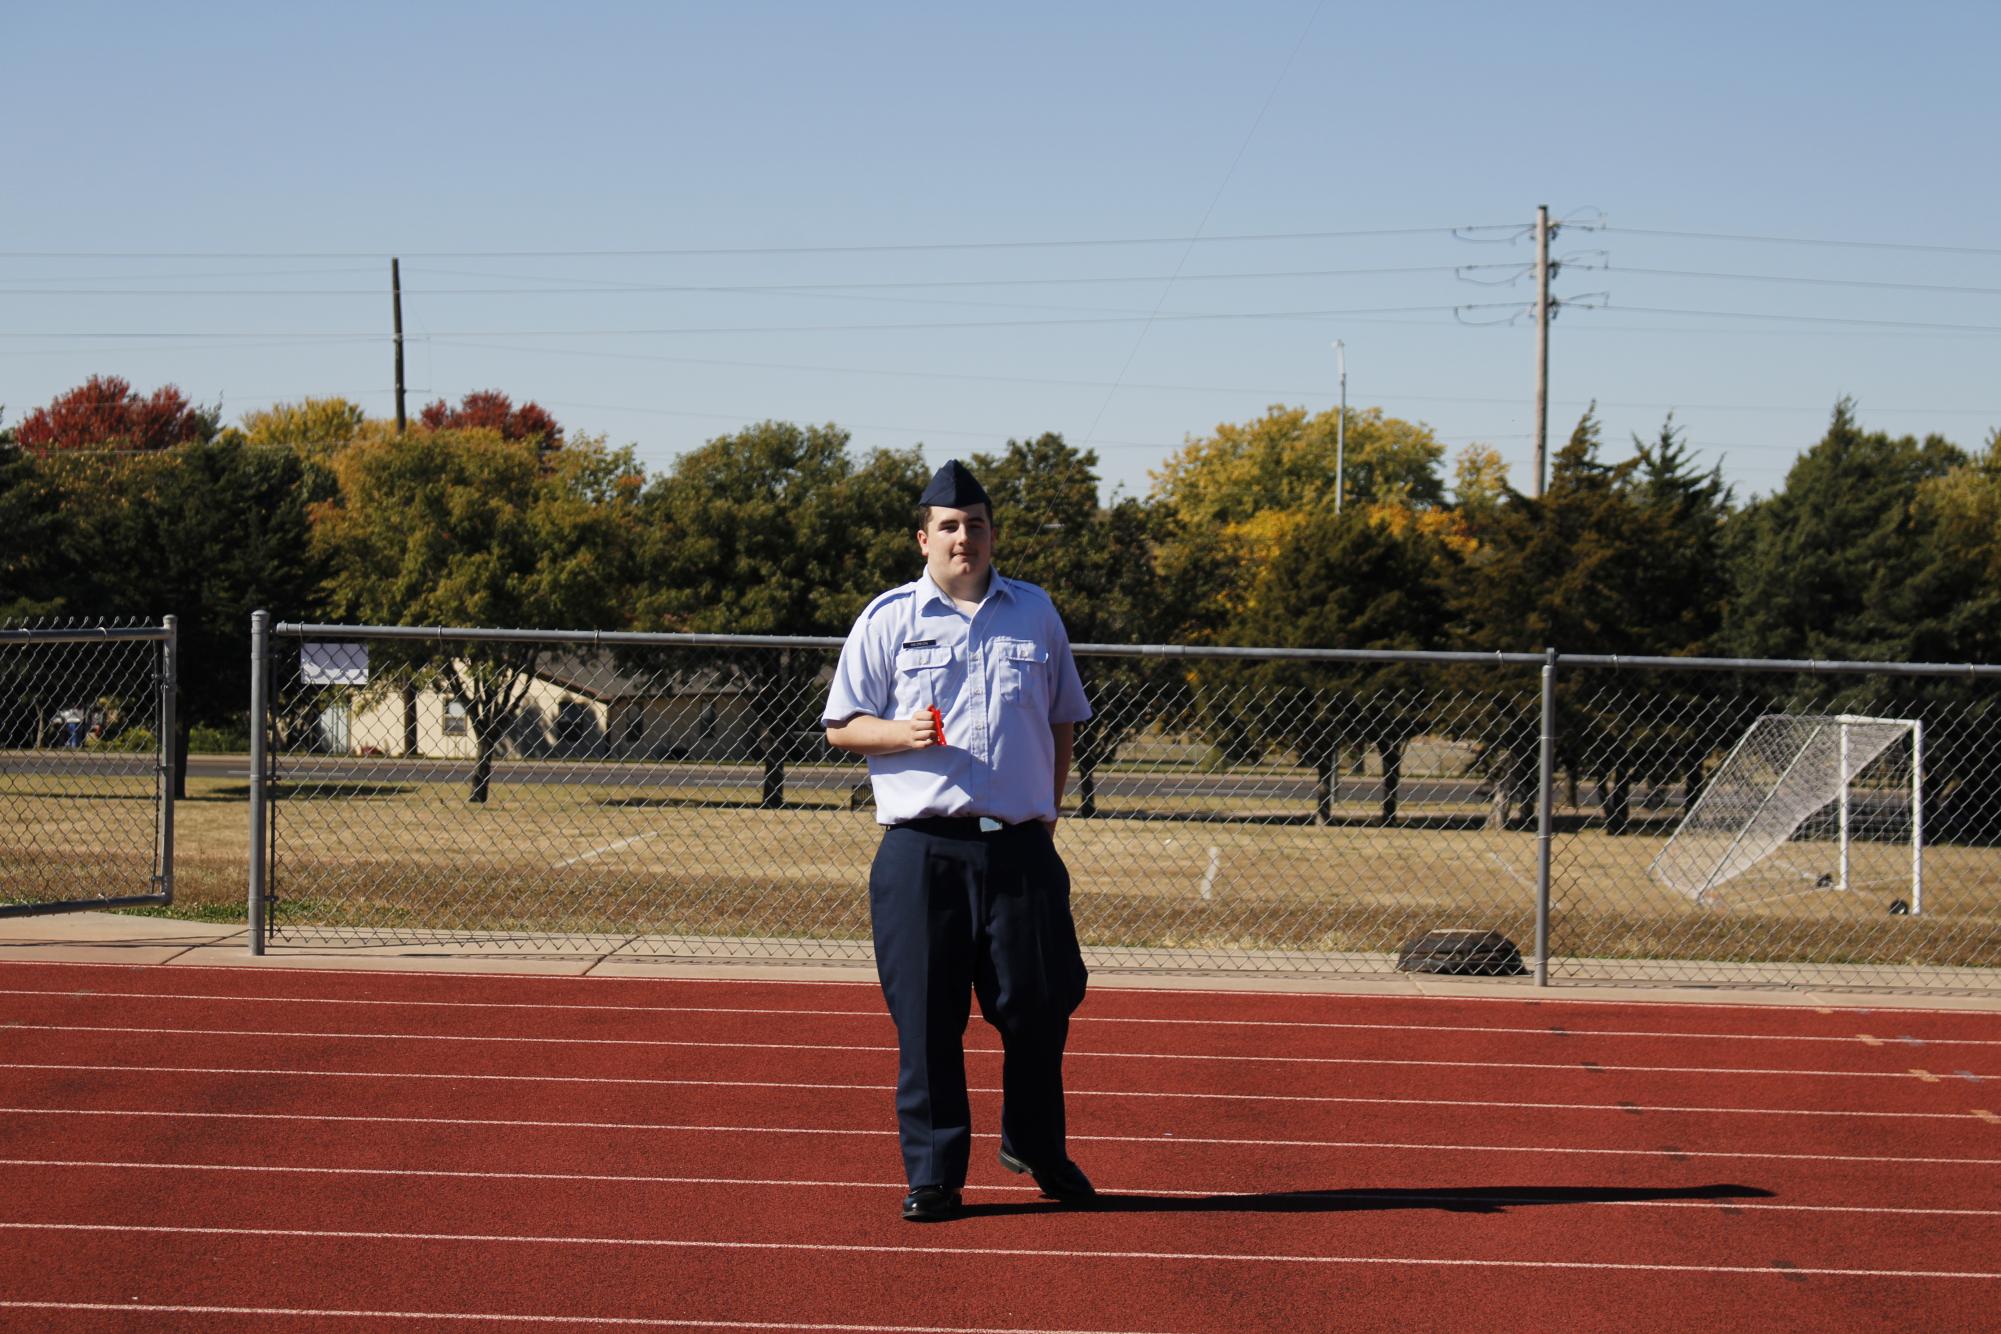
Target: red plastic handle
x,y
937,726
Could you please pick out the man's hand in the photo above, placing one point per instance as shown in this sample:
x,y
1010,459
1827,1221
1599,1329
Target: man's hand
x,y
867,735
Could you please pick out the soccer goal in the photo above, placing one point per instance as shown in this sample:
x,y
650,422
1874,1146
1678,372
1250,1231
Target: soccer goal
x,y
1795,801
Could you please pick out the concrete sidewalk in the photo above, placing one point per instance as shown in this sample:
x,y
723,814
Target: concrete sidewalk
x,y
107,937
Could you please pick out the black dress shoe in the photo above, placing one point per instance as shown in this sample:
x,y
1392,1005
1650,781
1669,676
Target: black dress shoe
x,y
931,1204
1064,1181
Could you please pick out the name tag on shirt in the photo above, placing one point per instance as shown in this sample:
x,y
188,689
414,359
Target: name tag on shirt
x,y
920,643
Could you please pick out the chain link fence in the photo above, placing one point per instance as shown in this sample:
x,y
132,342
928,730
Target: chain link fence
x,y
86,778
1244,810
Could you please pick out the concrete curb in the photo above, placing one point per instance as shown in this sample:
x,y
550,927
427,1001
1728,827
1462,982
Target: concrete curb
x,y
114,938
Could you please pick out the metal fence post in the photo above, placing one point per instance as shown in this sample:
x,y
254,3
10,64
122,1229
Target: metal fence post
x,y
169,751
260,658
1545,816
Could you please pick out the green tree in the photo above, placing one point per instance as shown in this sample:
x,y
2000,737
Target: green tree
x,y
1684,580
1096,562
35,578
1828,567
1960,512
1570,571
1353,580
466,528
776,530
206,531
1957,590
1230,502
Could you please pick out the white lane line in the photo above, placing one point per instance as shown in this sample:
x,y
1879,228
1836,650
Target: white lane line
x,y
1570,1066
1083,1020
979,1253
1161,1140
504,1318
645,1081
609,847
1415,1198
1833,1004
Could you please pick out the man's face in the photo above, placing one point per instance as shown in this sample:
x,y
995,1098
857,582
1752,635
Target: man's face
x,y
958,545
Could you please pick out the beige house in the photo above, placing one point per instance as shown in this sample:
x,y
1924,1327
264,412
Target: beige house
x,y
576,707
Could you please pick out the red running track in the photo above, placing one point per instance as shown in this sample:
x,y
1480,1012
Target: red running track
x,y
215,1148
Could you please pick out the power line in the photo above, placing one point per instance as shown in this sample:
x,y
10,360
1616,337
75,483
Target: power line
x,y
1922,247
1385,397
1807,319
609,288
1810,282
318,271
1207,213
834,328
706,251
805,293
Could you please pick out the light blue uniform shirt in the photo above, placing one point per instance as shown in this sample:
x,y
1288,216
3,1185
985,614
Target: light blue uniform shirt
x,y
1000,677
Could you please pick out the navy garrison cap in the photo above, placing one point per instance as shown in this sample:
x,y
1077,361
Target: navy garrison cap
x,y
955,488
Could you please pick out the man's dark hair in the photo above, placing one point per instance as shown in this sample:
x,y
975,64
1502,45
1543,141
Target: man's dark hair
x,y
924,516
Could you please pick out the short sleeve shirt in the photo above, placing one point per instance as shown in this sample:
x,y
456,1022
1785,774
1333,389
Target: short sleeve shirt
x,y
999,677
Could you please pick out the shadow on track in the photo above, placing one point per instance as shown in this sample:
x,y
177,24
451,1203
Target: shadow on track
x,y
1448,1199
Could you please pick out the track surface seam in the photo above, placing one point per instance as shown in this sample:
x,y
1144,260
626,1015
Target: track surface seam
x,y
1364,1196
1081,1021
1169,1140
502,1318
981,1252
971,1050
646,1081
1819,1005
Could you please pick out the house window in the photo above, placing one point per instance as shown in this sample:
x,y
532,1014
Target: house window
x,y
455,717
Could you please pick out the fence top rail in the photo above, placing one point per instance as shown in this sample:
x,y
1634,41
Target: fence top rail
x,y
1810,666
605,638
86,634
1267,654
639,639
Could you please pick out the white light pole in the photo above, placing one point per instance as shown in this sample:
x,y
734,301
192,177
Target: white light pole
x,y
1341,425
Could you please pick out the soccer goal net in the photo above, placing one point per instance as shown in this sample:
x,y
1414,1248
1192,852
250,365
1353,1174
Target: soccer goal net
x,y
1806,801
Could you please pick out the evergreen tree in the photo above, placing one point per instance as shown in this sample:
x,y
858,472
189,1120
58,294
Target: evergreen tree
x,y
1684,581
1828,567
1572,571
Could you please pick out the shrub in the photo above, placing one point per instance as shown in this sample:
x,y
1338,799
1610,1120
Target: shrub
x,y
204,739
136,740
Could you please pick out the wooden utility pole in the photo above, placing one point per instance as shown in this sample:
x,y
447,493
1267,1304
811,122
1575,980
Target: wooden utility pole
x,y
1541,347
410,739
396,304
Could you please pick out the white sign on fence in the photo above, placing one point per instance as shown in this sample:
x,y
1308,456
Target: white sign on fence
x,y
333,664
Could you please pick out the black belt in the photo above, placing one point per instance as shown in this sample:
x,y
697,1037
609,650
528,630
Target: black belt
x,y
961,826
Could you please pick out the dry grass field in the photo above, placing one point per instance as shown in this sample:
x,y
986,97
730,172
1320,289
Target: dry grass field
x,y
1188,872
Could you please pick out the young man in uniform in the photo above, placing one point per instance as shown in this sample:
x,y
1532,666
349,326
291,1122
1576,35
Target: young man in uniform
x,y
960,689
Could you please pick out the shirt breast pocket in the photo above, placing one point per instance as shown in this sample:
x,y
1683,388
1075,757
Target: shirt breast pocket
x,y
1022,670
920,679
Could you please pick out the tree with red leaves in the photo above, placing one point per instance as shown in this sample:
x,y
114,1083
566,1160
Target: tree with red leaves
x,y
107,412
489,409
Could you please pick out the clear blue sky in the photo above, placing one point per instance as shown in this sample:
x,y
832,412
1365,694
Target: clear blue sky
x,y
227,181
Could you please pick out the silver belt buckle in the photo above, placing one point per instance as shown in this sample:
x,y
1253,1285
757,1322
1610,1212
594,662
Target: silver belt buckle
x,y
989,825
